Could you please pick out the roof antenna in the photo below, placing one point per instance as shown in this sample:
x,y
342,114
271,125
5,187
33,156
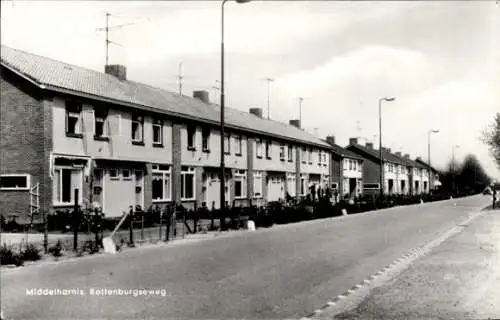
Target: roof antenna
x,y
107,29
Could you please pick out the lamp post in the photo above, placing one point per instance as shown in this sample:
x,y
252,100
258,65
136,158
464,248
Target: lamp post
x,y
429,133
222,103
453,164
380,141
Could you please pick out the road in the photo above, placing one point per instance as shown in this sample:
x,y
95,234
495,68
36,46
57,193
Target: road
x,y
282,272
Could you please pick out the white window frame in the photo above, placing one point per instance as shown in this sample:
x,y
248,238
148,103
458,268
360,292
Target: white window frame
x,y
139,120
227,143
320,158
77,115
240,175
28,181
258,148
257,175
80,187
100,118
129,176
290,153
185,172
303,186
205,139
157,123
282,152
335,185
309,156
269,152
238,143
304,155
156,169
118,174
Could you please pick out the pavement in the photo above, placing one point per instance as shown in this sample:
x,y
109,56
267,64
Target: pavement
x,y
459,279
286,271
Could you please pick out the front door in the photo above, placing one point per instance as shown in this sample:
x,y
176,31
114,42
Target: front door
x,y
212,192
275,188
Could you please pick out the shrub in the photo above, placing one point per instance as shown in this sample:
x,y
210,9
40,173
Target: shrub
x,y
7,256
31,253
56,250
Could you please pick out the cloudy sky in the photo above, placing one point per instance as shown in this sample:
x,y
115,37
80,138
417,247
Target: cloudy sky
x,y
440,59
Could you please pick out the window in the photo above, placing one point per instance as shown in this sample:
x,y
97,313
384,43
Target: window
x,y
66,180
191,134
237,141
162,183
100,117
157,132
187,183
205,139
268,149
354,163
113,174
359,166
137,128
325,161
290,153
320,158
126,174
368,186
335,186
227,143
257,184
309,156
291,184
350,164
346,164
282,152
73,117
240,190
304,155
14,182
258,147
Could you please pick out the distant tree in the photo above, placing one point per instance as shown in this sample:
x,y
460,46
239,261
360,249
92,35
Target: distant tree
x,y
491,137
472,176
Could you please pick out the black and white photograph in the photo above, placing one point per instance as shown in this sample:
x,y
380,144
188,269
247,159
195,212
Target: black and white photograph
x,y
249,159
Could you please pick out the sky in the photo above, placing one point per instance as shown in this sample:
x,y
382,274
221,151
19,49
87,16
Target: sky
x,y
441,60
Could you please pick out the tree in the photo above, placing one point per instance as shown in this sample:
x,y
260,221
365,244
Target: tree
x,y
472,176
492,138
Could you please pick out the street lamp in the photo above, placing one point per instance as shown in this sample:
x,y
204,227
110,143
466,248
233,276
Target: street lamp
x,y
222,177
429,133
453,164
380,141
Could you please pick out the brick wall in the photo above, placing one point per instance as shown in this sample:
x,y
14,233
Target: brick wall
x,y
25,131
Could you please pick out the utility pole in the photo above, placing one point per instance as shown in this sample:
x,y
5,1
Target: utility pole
x,y
179,78
269,80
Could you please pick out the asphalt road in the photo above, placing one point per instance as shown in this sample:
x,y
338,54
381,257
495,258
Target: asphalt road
x,y
282,272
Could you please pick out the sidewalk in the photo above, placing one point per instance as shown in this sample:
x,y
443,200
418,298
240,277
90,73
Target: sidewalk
x,y
459,279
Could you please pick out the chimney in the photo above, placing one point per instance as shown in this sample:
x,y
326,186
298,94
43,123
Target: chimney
x,y
295,123
117,71
398,153
256,112
407,156
369,145
201,95
353,141
419,158
388,150
330,140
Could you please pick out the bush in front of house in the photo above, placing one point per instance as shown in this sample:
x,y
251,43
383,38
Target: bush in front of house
x,y
9,256
31,253
56,249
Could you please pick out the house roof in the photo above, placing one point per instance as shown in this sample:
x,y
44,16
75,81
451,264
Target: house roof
x,y
335,148
423,163
388,157
58,76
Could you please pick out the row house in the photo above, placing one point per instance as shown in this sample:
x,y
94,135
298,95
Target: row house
x,y
121,143
401,175
433,174
346,171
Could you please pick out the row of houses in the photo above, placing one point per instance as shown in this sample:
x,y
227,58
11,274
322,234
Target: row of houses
x,y
122,143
